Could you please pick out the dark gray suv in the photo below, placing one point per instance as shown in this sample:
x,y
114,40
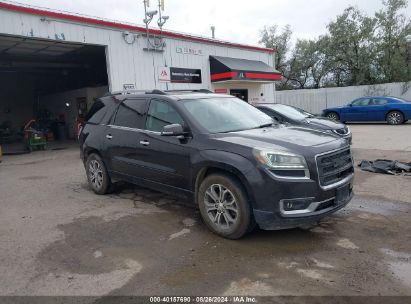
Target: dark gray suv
x,y
234,162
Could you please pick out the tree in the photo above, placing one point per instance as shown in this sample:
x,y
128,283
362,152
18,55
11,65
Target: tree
x,y
309,63
352,47
356,50
392,28
280,41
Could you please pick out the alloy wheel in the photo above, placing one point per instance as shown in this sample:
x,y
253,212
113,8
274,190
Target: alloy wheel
x,y
96,174
394,118
221,206
332,116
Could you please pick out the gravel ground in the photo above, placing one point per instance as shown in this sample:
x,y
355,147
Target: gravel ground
x,y
58,238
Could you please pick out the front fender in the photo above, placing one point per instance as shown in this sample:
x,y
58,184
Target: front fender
x,y
236,164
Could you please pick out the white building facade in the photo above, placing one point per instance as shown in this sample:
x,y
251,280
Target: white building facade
x,y
184,62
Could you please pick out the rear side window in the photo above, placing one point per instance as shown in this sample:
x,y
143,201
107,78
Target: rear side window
x,y
161,114
96,113
130,113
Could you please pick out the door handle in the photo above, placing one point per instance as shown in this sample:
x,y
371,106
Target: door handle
x,y
109,136
144,142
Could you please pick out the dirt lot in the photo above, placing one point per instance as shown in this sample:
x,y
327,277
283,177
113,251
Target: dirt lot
x,y
58,238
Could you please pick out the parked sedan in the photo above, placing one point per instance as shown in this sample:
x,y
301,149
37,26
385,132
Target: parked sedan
x,y
393,110
296,116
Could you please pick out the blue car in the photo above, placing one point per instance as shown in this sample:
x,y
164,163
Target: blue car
x,y
393,110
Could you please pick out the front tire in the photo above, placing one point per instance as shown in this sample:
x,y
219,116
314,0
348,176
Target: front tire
x,y
333,116
97,175
224,206
395,118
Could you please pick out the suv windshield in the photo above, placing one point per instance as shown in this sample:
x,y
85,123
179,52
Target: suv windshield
x,y
289,111
219,115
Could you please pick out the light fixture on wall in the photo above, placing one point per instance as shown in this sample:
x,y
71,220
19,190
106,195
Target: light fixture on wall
x,y
129,38
67,105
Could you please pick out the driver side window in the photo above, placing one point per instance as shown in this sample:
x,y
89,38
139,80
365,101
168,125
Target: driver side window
x,y
161,114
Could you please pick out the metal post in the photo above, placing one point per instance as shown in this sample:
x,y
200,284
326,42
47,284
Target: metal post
x,y
213,32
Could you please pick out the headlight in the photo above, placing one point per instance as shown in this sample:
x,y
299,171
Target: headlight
x,y
283,165
279,160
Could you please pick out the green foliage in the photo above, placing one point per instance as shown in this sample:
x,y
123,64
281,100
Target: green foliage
x,y
356,50
271,38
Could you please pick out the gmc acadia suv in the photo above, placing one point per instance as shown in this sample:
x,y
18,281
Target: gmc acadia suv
x,y
230,159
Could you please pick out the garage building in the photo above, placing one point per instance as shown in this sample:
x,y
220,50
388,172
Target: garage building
x,y
53,65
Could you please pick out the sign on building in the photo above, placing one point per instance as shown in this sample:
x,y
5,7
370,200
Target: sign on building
x,y
179,75
164,74
128,86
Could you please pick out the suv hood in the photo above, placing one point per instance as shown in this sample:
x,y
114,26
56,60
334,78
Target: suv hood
x,y
283,137
324,123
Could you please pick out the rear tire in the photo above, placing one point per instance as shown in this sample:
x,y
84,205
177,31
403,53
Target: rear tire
x,y
395,118
97,175
333,116
224,206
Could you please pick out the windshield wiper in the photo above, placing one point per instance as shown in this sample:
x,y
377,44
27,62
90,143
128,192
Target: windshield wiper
x,y
239,130
265,125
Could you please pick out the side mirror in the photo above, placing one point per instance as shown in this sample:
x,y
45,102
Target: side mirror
x,y
173,130
350,105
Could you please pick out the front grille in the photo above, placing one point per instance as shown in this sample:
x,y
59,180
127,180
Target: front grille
x,y
334,166
343,131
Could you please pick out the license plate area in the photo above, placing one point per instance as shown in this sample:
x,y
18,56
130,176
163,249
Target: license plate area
x,y
342,195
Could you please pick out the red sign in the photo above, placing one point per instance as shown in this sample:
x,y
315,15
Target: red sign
x,y
221,91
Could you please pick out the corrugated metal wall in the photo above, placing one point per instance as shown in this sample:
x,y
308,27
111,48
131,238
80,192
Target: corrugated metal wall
x,y
129,63
315,101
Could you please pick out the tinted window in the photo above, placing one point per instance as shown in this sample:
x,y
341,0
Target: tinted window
x,y
130,113
96,113
266,111
361,102
161,114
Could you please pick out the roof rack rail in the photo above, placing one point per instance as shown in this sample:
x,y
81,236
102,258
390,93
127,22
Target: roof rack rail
x,y
125,92
155,91
195,91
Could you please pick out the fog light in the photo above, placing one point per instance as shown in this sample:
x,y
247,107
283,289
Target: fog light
x,y
297,204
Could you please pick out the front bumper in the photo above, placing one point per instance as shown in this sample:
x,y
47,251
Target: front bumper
x,y
271,214
268,220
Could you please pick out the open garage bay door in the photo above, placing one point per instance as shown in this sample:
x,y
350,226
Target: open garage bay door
x,y
52,82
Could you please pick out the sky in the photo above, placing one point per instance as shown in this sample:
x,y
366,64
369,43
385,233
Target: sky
x,y
235,20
